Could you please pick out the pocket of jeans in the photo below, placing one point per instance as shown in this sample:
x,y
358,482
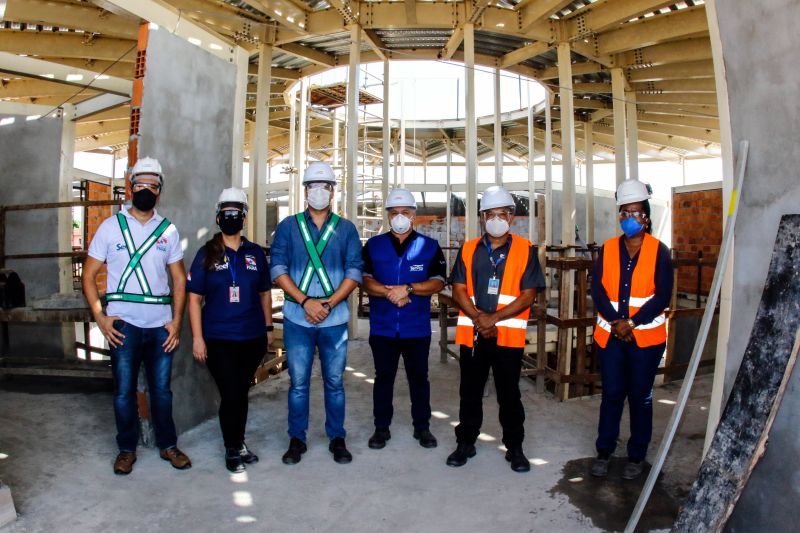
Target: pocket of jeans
x,y
119,324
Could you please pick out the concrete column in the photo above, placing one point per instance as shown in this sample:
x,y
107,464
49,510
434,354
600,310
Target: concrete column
x,y
402,149
447,215
548,169
588,150
336,159
65,195
387,137
472,228
567,145
259,148
631,115
498,131
242,58
531,180
300,142
618,94
297,175
351,156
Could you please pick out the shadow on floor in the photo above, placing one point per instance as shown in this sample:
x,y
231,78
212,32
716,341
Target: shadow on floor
x,y
608,502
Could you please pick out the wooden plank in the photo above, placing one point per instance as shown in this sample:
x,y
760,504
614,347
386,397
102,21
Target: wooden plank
x,y
767,364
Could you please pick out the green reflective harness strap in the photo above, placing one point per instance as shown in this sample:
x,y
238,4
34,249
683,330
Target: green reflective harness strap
x,y
134,265
314,254
137,298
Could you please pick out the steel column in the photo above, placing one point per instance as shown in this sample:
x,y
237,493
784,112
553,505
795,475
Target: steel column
x,y
259,148
471,229
498,131
618,94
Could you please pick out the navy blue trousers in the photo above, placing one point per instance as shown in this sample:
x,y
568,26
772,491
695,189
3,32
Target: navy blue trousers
x,y
386,352
628,371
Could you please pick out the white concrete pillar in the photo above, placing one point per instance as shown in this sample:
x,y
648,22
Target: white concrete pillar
x,y
242,59
402,150
531,180
448,191
567,145
498,131
548,169
297,175
472,228
387,137
259,149
351,154
336,159
632,126
65,219
300,142
589,150
618,94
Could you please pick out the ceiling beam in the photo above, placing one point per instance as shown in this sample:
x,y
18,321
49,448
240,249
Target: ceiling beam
x,y
578,69
452,43
122,69
700,85
411,12
80,17
681,120
85,129
677,98
602,16
286,13
276,72
68,45
346,10
682,24
22,88
310,54
93,142
374,40
707,111
56,73
534,12
521,54
676,71
694,49
98,104
700,134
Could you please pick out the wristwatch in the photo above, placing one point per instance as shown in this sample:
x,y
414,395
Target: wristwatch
x,y
326,305
270,327
631,323
409,289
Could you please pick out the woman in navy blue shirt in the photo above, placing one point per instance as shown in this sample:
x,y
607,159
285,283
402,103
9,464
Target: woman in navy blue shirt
x,y
230,310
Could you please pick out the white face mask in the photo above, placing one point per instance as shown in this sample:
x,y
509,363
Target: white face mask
x,y
497,227
400,224
319,198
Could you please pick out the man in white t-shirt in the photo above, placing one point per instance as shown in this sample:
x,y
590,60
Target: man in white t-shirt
x,y
142,322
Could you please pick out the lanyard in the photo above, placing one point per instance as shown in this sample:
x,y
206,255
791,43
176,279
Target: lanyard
x,y
495,264
232,267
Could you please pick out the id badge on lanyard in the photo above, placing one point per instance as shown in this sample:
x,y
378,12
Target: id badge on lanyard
x,y
233,294
233,290
494,286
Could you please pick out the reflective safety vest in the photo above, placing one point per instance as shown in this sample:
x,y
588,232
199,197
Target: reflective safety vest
x,y
643,288
135,267
314,264
511,331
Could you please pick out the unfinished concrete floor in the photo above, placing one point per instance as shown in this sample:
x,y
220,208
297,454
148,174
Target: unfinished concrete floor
x,y
56,451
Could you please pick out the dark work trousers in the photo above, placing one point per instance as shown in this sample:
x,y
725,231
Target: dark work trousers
x,y
506,364
386,352
628,371
233,365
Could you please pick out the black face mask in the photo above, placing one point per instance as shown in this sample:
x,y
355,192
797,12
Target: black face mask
x,y
144,200
230,225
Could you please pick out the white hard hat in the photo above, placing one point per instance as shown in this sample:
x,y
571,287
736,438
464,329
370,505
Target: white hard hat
x,y
232,197
496,196
630,191
148,165
319,171
401,198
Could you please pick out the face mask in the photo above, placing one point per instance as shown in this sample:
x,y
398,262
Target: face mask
x,y
497,227
319,198
144,200
400,224
230,225
631,227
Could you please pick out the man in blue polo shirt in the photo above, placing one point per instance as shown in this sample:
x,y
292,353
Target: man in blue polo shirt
x,y
402,269
316,260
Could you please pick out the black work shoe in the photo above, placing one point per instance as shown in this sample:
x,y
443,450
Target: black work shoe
x,y
339,451
425,438
233,460
632,470
600,465
519,463
246,455
461,455
379,438
296,449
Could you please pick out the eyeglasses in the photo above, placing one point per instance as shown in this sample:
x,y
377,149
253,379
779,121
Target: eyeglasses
x,y
319,185
505,215
153,187
634,214
231,213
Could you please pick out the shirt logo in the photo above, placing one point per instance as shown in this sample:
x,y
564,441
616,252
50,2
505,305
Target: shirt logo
x,y
250,262
120,246
416,268
161,244
221,266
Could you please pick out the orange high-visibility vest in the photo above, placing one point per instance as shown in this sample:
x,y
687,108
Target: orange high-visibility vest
x,y
511,331
643,288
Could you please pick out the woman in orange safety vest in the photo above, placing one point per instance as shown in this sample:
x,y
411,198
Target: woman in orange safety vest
x,y
631,288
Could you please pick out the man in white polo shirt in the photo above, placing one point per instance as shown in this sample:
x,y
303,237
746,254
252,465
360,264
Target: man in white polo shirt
x,y
142,322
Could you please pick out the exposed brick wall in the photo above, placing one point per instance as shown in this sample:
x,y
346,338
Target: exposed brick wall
x,y
696,227
94,217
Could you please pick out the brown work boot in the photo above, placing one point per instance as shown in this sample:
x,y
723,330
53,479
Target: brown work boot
x,y
176,458
123,464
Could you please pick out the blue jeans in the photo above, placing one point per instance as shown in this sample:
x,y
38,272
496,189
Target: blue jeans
x,y
628,371
142,345
300,342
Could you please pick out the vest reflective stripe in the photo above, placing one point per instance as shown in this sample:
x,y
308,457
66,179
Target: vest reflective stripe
x,y
315,254
134,266
642,290
511,331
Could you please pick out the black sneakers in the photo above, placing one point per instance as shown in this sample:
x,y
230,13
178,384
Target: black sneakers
x,y
295,452
519,463
339,451
379,438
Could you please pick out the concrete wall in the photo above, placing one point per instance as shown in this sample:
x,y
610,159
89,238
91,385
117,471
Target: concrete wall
x,y
187,124
758,40
30,152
